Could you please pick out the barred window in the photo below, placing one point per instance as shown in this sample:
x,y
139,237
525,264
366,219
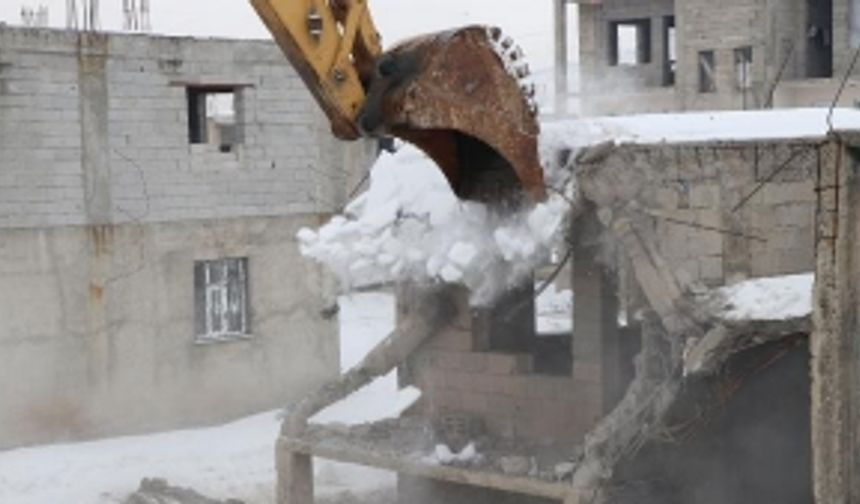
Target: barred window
x,y
221,299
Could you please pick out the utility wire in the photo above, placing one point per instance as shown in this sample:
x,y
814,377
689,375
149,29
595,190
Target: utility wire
x,y
842,89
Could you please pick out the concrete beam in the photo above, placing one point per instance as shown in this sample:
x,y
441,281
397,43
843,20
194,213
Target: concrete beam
x,y
340,449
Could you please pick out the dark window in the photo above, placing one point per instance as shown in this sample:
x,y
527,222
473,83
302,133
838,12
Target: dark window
x,y
212,116
221,299
670,55
630,42
707,72
819,39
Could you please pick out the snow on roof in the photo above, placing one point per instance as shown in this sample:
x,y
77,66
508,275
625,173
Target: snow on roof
x,y
771,298
688,127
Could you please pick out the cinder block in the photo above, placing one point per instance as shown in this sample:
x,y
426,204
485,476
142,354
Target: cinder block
x,y
508,364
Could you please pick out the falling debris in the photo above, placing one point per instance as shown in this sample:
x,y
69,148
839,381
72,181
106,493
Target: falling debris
x,y
409,225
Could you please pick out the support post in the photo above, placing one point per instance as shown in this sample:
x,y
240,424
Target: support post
x,y
835,334
295,476
561,85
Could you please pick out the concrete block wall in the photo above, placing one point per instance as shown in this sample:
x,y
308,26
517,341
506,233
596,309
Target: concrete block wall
x,y
95,130
720,212
598,75
776,31
97,332
499,392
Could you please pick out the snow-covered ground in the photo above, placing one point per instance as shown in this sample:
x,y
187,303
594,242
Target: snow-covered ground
x,y
228,461
233,460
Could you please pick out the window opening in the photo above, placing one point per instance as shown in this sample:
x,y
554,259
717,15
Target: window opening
x,y
707,72
670,54
221,299
630,42
819,38
743,67
212,116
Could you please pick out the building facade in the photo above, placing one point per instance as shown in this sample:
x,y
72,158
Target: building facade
x,y
665,55
150,193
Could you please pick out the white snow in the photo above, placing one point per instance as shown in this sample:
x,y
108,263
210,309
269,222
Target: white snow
x,y
442,455
366,320
409,225
771,298
554,311
229,461
698,127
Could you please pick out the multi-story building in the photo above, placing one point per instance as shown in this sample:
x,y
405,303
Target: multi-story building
x,y
665,55
150,193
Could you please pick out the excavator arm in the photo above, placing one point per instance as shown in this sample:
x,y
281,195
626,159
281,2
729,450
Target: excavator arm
x,y
333,45
459,95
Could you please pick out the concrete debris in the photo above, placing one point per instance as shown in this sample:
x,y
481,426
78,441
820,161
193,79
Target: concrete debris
x,y
159,491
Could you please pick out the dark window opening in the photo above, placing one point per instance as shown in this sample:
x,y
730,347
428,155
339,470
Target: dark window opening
x,y
630,42
212,114
743,67
221,299
707,72
670,51
819,39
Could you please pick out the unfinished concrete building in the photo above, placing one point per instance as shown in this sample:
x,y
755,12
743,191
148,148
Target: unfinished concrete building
x,y
667,55
669,388
150,193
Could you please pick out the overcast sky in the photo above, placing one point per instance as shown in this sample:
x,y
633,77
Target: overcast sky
x,y
529,22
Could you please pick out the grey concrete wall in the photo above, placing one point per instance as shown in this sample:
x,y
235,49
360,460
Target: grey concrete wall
x,y
97,334
726,211
776,30
95,130
104,207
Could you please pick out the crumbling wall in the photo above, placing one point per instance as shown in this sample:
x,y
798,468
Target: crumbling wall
x,y
724,211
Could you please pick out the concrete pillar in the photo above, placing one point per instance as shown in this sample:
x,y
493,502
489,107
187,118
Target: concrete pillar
x,y
834,342
295,476
561,85
596,349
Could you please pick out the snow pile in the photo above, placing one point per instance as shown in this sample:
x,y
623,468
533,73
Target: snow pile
x,y
409,225
554,311
699,127
442,455
773,298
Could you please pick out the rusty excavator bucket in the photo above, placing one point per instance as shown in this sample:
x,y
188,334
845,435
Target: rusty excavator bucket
x,y
458,95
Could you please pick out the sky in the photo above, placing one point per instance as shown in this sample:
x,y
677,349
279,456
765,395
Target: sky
x,y
529,22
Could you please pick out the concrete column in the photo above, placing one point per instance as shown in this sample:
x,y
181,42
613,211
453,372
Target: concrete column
x,y
92,82
834,342
295,477
561,85
596,349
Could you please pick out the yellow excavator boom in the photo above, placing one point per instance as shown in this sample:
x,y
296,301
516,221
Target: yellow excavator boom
x,y
462,95
333,45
